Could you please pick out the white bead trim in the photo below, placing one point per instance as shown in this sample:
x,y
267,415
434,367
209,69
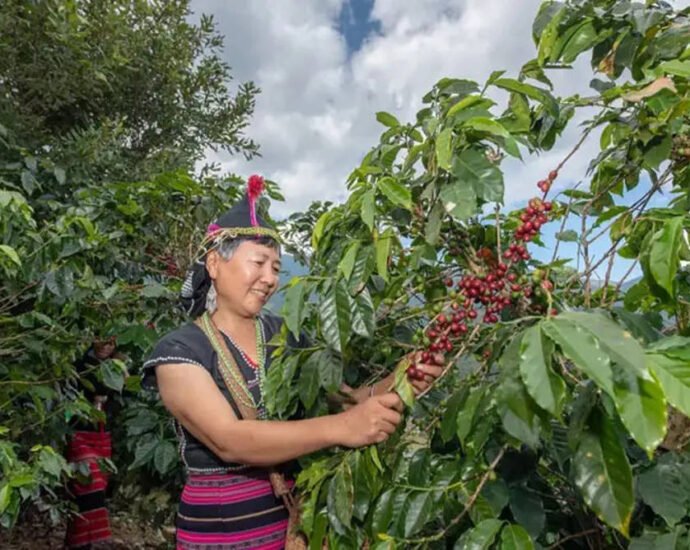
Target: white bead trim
x,y
169,359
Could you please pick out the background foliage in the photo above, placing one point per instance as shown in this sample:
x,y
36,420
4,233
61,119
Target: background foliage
x,y
104,109
561,417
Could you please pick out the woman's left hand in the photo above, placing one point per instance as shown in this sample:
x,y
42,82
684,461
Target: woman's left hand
x,y
427,373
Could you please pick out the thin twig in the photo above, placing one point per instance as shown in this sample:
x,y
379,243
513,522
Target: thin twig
x,y
571,537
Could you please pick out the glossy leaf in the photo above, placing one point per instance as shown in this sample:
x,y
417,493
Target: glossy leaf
x,y
545,386
334,312
674,376
395,192
642,407
480,537
363,318
661,487
309,378
383,250
368,208
582,349
444,150
419,509
347,263
293,308
494,128
602,473
471,167
459,199
533,92
341,495
663,254
514,537
387,119
527,508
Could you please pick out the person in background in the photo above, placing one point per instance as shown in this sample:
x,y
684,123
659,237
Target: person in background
x,y
90,444
210,374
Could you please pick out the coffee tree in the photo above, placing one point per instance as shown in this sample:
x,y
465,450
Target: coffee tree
x,y
559,420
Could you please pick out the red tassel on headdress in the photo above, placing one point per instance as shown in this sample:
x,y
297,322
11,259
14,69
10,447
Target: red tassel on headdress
x,y
255,187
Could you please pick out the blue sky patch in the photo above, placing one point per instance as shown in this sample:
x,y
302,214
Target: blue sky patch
x,y
355,25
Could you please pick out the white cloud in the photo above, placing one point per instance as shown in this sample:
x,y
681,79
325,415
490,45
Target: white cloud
x,y
315,117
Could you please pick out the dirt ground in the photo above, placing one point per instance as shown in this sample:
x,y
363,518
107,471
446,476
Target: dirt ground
x,y
38,534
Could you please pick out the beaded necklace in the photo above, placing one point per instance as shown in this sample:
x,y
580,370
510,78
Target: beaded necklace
x,y
228,366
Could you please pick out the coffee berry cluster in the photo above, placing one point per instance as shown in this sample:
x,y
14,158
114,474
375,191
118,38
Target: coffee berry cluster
x,y
481,297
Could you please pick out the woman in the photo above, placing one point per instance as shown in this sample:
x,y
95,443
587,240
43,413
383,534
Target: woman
x,y
210,376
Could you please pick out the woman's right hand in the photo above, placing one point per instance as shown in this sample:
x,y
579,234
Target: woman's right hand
x,y
371,421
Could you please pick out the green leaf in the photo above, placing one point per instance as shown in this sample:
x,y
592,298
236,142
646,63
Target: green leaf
x,y
538,94
459,199
603,474
528,509
642,407
569,235
490,126
466,413
444,151
330,371
334,312
309,379
113,374
549,36
449,419
347,263
363,317
403,387
519,413
675,346
676,67
164,457
143,452
368,208
514,537
293,307
662,488
545,386
387,119
582,349
664,253
383,249
5,497
340,498
395,192
638,397
383,513
11,253
434,222
582,38
472,167
464,103
480,537
674,376
319,227
419,509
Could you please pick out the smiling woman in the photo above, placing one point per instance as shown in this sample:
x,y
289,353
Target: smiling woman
x,y
210,375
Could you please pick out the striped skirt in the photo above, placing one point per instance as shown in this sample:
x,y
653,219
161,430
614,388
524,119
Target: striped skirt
x,y
92,523
230,511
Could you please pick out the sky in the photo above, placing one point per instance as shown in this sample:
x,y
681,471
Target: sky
x,y
325,67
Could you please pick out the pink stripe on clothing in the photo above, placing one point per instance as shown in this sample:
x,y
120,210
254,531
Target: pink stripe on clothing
x,y
233,538
227,498
244,486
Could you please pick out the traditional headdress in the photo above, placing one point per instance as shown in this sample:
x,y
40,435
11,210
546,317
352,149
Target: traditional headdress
x,y
242,220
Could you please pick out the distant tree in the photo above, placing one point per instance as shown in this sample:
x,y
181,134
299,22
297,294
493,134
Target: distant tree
x,y
118,89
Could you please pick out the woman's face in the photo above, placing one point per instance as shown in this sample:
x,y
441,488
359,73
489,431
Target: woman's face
x,y
246,281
